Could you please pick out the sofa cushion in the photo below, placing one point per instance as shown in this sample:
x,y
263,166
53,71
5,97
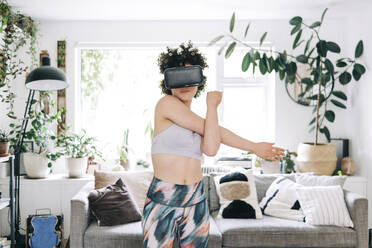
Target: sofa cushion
x,y
113,205
130,235
263,182
276,232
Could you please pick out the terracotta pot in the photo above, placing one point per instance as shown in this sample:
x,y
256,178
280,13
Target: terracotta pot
x,y
4,149
320,159
126,164
77,167
36,165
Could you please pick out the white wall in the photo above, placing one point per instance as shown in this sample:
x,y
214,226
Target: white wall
x,y
291,119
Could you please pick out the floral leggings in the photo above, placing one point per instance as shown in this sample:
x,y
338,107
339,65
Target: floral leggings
x,y
175,211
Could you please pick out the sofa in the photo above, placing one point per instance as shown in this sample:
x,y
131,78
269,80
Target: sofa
x,y
230,233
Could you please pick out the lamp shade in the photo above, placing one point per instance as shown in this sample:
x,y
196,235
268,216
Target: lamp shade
x,y
46,78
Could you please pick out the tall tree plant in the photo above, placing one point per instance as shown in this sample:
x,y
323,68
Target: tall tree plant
x,y
315,53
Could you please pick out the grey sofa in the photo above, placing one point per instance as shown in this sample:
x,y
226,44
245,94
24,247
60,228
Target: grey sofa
x,y
267,232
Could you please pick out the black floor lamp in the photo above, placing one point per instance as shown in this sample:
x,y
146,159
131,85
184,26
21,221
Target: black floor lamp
x,y
43,78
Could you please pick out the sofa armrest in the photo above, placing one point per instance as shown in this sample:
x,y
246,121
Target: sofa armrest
x,y
80,216
358,210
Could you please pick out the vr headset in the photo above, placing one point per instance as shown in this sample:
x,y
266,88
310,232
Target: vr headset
x,y
184,76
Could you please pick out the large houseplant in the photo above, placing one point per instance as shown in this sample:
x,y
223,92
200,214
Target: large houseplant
x,y
17,31
39,160
323,74
78,147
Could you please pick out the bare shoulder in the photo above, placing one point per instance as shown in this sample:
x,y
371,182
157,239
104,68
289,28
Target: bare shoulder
x,y
166,100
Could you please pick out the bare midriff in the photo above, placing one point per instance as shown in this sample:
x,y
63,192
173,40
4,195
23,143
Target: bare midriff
x,y
177,169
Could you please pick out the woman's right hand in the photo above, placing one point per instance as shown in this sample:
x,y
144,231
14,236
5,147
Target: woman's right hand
x,y
214,98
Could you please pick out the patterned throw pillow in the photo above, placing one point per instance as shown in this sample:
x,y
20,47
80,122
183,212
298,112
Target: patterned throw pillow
x,y
324,205
237,195
113,205
281,200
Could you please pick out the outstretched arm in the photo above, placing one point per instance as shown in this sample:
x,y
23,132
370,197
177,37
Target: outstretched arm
x,y
173,109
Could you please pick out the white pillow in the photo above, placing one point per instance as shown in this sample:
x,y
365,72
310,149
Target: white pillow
x,y
251,199
314,180
281,200
324,205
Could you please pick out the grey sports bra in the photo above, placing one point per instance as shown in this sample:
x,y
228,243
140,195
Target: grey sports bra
x,y
177,140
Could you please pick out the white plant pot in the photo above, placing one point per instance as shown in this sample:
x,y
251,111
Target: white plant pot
x,y
77,166
271,167
36,165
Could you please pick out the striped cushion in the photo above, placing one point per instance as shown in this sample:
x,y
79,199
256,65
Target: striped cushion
x,y
324,205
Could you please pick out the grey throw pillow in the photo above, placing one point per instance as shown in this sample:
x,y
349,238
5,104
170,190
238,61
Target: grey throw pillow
x,y
113,205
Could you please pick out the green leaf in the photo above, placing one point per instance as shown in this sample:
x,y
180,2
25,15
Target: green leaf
x,y
333,47
359,49
338,104
232,22
215,40
324,12
302,58
298,36
315,24
326,133
307,81
356,74
341,64
328,64
359,68
340,95
246,62
291,68
263,38
281,74
246,30
262,67
295,29
345,78
308,44
321,47
329,115
297,20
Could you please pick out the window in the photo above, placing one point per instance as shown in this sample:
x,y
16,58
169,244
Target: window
x,y
119,88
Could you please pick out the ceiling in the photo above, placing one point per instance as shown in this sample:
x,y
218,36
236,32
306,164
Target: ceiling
x,y
169,9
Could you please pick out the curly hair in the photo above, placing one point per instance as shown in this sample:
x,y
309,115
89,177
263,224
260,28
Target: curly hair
x,y
176,57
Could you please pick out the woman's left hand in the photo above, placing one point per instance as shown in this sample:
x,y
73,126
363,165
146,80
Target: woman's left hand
x,y
266,150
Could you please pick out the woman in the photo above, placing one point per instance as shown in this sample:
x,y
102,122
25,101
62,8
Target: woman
x,y
176,206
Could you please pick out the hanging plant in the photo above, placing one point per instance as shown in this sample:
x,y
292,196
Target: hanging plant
x,y
17,31
315,54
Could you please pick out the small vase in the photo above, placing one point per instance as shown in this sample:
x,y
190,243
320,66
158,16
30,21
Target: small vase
x,y
77,167
4,149
36,165
270,167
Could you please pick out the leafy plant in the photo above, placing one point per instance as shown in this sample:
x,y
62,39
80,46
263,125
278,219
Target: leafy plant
x,y
77,145
124,149
315,55
40,130
287,164
4,136
143,163
17,31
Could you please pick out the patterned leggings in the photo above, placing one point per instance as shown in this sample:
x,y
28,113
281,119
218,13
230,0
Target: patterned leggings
x,y
175,211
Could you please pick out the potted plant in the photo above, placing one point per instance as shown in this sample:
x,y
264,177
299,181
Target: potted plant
x,y
4,143
78,147
322,73
38,162
123,151
286,163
